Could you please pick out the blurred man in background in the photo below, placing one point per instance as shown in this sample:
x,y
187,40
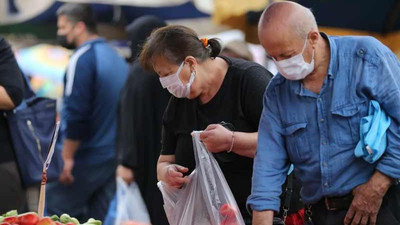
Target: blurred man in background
x,y
92,84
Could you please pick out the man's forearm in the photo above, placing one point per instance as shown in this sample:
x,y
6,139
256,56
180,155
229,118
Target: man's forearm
x,y
263,217
69,149
381,183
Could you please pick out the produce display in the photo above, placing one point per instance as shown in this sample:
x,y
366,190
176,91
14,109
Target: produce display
x,y
32,218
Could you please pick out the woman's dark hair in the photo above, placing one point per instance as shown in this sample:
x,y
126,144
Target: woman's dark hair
x,y
79,13
175,43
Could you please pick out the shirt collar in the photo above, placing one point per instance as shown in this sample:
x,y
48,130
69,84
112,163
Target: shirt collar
x,y
332,69
100,39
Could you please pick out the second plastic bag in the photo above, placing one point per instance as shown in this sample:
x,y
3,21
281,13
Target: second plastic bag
x,y
131,209
206,198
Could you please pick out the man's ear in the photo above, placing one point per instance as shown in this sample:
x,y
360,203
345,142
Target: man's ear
x,y
80,27
313,36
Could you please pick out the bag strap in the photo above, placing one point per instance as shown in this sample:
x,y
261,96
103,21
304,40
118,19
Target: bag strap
x,y
288,196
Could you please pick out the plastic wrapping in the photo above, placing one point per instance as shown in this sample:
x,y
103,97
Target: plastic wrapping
x,y
131,208
206,198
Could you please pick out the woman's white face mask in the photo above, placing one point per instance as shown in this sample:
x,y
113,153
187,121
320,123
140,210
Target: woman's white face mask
x,y
175,85
295,68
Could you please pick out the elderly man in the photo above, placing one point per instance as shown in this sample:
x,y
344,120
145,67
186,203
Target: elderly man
x,y
311,117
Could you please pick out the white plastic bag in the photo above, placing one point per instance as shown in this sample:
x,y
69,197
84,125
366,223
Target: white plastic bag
x,y
131,209
206,198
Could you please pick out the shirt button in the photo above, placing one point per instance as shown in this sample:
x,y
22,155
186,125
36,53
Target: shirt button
x,y
361,51
323,142
326,184
319,99
325,165
322,120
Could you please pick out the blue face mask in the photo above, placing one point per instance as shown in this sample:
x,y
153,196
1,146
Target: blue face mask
x,y
175,85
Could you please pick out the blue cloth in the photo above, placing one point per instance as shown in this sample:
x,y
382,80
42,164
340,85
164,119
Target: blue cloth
x,y
319,132
373,128
92,84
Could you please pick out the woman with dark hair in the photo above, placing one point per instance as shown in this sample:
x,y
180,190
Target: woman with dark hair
x,y
220,95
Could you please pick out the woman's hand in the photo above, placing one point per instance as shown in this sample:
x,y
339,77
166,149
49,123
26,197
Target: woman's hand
x,y
125,173
217,138
173,175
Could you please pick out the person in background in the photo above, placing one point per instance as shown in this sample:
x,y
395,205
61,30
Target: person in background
x,y
12,193
94,78
209,91
237,49
141,105
311,118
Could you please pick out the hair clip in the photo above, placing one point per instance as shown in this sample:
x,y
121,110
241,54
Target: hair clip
x,y
204,41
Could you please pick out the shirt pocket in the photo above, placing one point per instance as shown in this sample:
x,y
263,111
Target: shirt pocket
x,y
296,141
346,124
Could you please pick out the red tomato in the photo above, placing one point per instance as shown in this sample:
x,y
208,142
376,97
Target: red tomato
x,y
4,223
11,219
28,219
46,221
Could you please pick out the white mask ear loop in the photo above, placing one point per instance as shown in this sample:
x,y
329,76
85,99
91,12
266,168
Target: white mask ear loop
x,y
179,69
302,51
304,46
189,84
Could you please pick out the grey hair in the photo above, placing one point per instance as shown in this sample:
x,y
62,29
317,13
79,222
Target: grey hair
x,y
79,13
304,19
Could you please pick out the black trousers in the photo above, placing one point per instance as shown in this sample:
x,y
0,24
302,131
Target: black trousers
x,y
389,213
12,194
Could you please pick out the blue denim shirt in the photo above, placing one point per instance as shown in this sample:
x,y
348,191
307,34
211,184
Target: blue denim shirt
x,y
319,132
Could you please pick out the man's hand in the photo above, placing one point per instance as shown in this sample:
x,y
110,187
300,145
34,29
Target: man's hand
x,y
367,200
216,138
66,176
68,152
125,173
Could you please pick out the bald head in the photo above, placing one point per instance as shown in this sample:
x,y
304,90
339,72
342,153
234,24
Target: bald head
x,y
288,17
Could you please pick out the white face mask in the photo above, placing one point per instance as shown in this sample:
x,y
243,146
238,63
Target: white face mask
x,y
175,85
295,68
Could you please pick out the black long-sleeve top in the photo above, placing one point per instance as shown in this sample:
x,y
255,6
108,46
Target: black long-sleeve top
x,y
12,81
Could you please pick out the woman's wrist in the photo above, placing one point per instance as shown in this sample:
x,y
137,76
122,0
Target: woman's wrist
x,y
162,170
231,143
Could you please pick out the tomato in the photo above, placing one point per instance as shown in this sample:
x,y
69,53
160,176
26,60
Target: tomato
x,y
4,223
28,219
46,221
11,219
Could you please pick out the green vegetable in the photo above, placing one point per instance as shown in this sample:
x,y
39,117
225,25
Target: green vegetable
x,y
75,220
55,218
92,221
11,213
1,218
65,218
